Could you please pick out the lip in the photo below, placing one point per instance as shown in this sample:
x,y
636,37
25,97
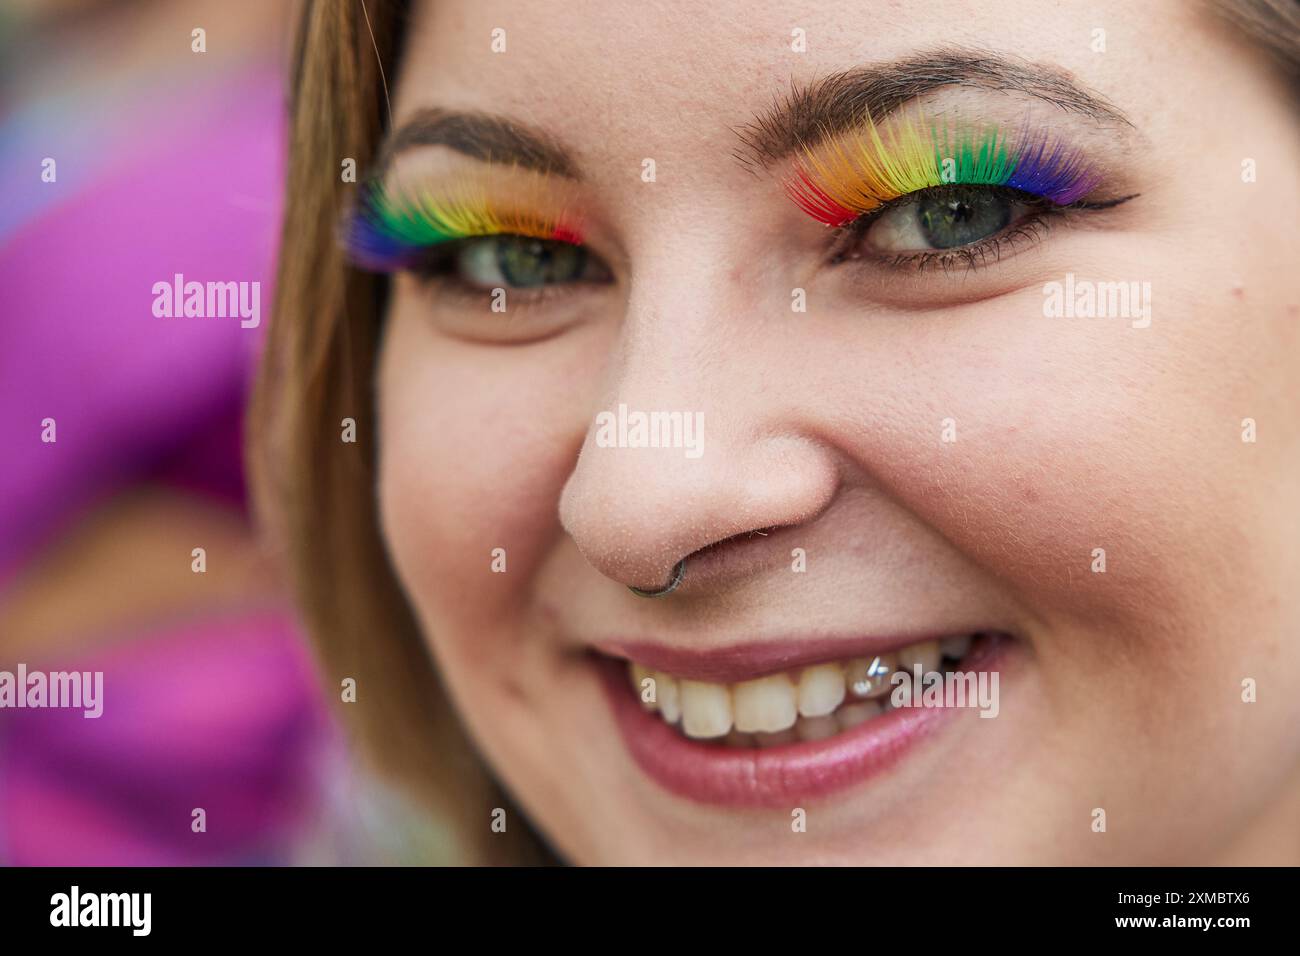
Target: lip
x,y
775,777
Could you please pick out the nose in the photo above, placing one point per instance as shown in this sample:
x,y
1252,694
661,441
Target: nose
x,y
698,439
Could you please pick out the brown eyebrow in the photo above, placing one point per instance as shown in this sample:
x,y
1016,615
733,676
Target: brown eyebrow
x,y
482,136
839,102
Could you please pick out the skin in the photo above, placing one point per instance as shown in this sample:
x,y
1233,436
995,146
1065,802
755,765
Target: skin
x,y
1072,435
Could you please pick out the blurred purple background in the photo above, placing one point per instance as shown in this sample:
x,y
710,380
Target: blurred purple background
x,y
167,161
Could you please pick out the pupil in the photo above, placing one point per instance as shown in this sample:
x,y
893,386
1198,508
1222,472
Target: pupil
x,y
527,263
948,221
523,262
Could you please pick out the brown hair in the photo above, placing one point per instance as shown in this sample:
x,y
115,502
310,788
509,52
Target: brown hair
x,y
316,493
1273,25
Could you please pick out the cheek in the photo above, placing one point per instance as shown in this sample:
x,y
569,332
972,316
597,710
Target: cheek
x,y
475,444
1042,447
1074,435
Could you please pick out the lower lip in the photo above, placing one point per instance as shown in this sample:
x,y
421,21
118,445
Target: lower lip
x,y
772,777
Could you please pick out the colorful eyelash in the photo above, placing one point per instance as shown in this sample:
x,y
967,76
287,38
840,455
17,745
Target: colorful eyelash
x,y
856,172
386,232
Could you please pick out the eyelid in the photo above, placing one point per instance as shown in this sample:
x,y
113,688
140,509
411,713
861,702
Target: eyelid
x,y
388,228
856,172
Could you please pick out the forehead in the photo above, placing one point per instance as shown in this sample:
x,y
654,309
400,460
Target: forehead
x,y
621,80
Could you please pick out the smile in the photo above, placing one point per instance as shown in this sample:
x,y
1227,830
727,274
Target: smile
x,y
779,735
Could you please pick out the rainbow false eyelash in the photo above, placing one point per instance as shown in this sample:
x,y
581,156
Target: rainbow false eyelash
x,y
854,173
388,230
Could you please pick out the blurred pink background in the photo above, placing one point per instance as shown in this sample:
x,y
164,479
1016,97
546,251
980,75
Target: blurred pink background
x,y
167,161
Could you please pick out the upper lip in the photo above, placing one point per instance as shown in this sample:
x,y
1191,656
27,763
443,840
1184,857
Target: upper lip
x,y
740,662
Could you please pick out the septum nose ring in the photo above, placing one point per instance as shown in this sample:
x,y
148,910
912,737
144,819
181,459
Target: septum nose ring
x,y
679,570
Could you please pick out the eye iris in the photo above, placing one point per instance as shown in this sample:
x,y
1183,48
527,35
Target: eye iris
x,y
527,263
958,219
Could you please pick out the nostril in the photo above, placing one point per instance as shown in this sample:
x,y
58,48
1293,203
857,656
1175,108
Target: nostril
x,y
731,542
633,519
700,556
732,558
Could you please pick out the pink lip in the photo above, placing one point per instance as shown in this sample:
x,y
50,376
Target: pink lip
x,y
774,777
741,662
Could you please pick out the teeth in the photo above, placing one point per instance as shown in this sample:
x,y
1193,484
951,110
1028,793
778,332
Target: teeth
x,y
776,740
816,728
670,696
868,677
955,647
706,709
927,655
812,703
639,675
821,689
766,704
850,715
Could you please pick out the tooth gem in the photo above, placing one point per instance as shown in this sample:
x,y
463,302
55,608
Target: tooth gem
x,y
875,670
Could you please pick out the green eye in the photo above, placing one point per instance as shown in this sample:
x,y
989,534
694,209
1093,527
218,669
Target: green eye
x,y
945,218
520,262
960,220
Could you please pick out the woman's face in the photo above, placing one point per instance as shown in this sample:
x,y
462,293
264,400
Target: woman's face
x,y
941,418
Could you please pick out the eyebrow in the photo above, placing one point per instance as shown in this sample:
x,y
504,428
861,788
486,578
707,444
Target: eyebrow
x,y
482,136
839,102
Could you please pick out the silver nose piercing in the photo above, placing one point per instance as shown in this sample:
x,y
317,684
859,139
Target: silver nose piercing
x,y
679,570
